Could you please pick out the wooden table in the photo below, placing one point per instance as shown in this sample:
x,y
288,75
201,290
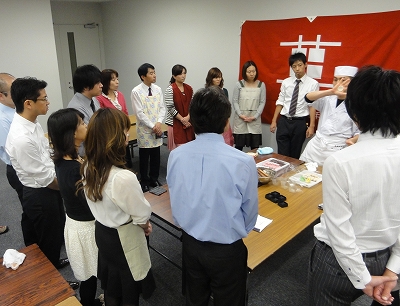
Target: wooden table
x,y
287,222
35,282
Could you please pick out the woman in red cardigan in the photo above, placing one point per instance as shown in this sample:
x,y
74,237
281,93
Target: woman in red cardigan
x,y
177,99
111,97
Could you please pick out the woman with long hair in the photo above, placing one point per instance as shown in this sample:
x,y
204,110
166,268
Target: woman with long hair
x,y
67,131
122,213
248,101
214,78
177,99
111,97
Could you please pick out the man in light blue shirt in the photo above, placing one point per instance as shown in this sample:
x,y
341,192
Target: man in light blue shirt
x,y
214,199
7,111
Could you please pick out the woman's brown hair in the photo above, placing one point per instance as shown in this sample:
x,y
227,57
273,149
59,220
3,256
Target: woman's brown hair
x,y
104,147
214,73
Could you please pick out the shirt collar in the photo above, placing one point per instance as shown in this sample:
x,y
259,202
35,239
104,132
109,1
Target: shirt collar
x,y
83,97
303,78
29,125
210,136
147,87
115,92
376,135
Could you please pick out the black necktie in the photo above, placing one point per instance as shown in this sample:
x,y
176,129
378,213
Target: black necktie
x,y
150,94
92,106
293,103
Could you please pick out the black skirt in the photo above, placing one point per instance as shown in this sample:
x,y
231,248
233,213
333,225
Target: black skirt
x,y
248,140
113,269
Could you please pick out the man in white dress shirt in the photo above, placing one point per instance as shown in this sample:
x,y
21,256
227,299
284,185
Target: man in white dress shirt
x,y
29,153
358,239
148,105
292,127
335,130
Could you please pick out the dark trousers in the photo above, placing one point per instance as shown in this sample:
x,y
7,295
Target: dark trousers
x,y
45,211
14,181
87,291
290,136
220,269
146,156
329,284
128,158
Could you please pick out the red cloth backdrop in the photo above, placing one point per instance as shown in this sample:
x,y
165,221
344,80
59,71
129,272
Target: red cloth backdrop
x,y
328,41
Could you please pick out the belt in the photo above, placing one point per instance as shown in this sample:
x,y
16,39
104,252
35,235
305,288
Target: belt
x,y
375,254
295,118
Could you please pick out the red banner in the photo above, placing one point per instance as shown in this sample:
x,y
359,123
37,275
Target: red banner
x,y
328,41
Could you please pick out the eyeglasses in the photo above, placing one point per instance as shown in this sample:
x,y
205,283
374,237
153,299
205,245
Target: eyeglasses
x,y
43,99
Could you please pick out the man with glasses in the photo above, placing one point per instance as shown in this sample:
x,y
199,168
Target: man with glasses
x,y
28,150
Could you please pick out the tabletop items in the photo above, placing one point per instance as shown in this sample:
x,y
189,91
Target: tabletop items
x,y
306,178
277,198
275,166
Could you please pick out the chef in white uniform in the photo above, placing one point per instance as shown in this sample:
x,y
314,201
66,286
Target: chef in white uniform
x,y
335,128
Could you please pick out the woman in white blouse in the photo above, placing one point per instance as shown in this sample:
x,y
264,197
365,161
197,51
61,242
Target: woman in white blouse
x,y
122,213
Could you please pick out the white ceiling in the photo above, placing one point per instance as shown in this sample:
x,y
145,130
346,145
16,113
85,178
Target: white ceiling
x,y
84,0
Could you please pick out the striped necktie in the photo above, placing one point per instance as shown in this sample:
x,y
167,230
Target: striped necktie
x,y
293,103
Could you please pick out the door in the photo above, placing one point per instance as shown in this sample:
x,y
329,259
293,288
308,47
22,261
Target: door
x,y
76,45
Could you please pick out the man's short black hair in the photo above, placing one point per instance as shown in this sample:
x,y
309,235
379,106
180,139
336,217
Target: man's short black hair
x,y
209,110
143,69
298,56
373,100
23,89
86,76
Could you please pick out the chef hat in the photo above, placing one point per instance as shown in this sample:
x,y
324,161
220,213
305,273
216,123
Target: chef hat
x,y
345,71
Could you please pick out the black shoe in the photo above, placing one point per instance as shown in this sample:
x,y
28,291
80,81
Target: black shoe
x,y
145,188
62,263
97,302
73,285
155,183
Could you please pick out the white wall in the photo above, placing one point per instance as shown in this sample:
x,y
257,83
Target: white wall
x,y
28,46
79,13
200,34
75,12
197,34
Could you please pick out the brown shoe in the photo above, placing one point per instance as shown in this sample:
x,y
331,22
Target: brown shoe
x,y
3,229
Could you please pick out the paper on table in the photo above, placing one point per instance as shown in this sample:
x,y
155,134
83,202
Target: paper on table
x,y
261,223
12,259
